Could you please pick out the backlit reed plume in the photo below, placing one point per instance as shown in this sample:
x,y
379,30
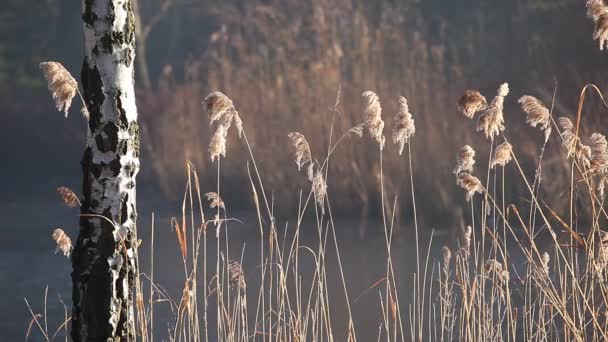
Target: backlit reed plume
x,y
537,114
599,153
64,243
319,189
465,160
217,146
598,12
403,125
492,121
502,155
62,85
373,120
544,263
465,248
446,257
492,266
469,183
471,102
68,197
572,143
220,109
236,275
215,200
301,149
601,257
303,156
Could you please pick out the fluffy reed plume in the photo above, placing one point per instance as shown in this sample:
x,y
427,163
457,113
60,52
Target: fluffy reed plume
x,y
544,263
572,143
598,12
471,102
465,160
601,187
470,183
502,155
537,114
319,189
599,153
373,120
492,121
216,200
403,125
601,257
236,277
219,107
446,256
492,266
68,196
301,149
466,241
62,85
64,243
217,146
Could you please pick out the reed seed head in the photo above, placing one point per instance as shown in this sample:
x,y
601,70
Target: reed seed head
x,y
217,146
62,85
63,241
301,149
537,114
447,256
403,125
492,121
319,189
471,102
544,261
599,153
598,12
469,183
465,160
215,200
492,266
373,120
68,196
502,155
236,275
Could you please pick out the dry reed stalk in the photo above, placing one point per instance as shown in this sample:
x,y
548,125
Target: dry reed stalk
x,y
471,102
62,85
492,121
598,12
373,120
465,160
403,125
68,196
537,114
502,155
63,241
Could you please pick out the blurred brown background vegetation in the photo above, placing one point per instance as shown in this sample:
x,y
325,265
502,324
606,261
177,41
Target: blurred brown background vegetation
x,y
282,63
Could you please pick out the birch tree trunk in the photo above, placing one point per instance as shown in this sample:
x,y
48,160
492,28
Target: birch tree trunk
x,y
104,258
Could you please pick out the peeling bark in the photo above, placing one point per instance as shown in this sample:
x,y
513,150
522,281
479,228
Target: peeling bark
x,y
104,258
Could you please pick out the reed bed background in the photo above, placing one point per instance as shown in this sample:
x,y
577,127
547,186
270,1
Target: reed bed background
x,y
526,193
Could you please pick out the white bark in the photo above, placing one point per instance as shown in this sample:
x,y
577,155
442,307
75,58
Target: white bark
x,y
104,256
